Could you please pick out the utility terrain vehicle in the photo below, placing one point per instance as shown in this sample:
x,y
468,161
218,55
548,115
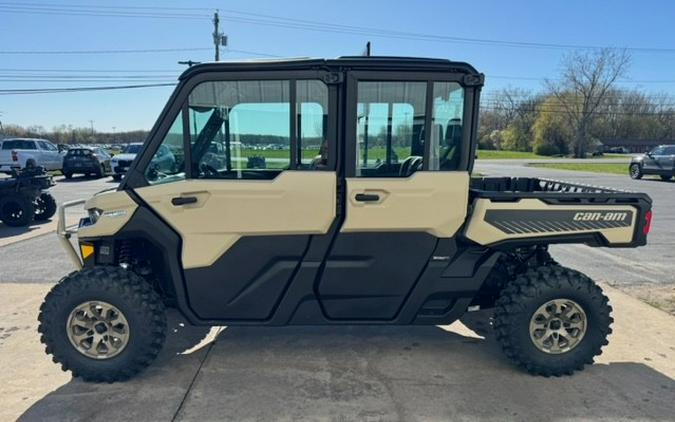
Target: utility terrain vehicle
x,y
330,192
24,197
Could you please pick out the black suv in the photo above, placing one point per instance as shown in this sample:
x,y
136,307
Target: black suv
x,y
659,161
87,160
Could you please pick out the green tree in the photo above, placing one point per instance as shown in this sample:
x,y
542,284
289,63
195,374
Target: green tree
x,y
587,79
552,134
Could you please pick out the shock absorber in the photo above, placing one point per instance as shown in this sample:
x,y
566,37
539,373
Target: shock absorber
x,y
125,254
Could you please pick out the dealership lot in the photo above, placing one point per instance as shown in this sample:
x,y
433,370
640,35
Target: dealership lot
x,y
348,373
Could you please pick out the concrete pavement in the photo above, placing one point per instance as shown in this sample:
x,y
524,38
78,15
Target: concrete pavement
x,y
342,373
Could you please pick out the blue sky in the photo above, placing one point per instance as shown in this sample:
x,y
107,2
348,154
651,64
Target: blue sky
x,y
603,23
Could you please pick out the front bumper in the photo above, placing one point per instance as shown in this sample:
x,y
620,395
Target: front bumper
x,y
65,232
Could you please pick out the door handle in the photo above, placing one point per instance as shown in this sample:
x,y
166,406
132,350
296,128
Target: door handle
x,y
183,200
367,197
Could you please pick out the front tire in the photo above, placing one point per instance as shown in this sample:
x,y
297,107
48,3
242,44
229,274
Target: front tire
x,y
666,178
104,324
45,207
16,210
552,320
635,171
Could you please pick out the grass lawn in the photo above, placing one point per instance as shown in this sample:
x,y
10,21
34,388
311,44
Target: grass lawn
x,y
610,168
484,154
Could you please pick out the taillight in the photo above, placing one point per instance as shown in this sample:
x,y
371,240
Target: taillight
x,y
648,223
15,156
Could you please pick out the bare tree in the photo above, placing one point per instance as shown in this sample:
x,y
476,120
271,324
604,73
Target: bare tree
x,y
587,78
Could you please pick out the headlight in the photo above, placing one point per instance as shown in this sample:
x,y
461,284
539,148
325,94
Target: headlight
x,y
94,214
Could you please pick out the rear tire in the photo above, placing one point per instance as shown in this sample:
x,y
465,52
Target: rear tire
x,y
635,171
68,175
16,210
117,177
666,178
45,207
519,320
142,320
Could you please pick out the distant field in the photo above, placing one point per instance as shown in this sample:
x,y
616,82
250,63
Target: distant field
x,y
484,154
609,168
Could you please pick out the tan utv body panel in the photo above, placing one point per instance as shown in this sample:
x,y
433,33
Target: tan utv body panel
x,y
432,202
484,233
116,207
295,202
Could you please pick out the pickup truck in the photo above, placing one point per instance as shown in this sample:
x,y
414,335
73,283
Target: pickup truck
x,y
19,153
390,228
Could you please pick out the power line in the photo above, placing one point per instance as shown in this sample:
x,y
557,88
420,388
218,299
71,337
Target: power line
x,y
290,23
23,69
78,89
146,50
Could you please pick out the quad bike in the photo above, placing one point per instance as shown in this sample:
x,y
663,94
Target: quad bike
x,y
24,197
389,229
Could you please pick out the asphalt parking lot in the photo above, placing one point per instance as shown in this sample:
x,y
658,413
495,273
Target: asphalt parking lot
x,y
354,373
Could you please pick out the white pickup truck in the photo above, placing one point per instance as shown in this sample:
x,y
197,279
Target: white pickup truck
x,y
27,152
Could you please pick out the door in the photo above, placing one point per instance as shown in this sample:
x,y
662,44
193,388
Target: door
x,y
650,162
245,176
43,158
404,191
51,158
666,160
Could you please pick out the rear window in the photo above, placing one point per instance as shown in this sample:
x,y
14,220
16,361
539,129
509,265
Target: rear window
x,y
78,152
18,144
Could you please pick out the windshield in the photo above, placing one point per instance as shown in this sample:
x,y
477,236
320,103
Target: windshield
x,y
132,149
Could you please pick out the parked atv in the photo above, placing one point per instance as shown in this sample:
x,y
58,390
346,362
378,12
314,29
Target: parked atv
x,y
24,197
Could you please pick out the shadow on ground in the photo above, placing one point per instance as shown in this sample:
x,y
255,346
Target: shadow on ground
x,y
355,373
7,231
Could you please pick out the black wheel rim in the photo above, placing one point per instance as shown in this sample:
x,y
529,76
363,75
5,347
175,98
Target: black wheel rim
x,y
634,171
40,207
12,211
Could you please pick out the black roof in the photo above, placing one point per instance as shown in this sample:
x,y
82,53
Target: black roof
x,y
352,62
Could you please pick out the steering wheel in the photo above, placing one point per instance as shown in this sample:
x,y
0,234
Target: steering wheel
x,y
208,170
410,165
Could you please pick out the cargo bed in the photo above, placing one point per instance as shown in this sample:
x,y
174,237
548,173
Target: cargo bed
x,y
512,210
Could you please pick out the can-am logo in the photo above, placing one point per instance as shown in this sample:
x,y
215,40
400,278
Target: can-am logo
x,y
600,216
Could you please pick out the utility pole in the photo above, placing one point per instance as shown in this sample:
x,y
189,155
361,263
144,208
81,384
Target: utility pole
x,y
216,35
91,122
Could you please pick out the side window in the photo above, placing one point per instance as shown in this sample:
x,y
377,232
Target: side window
x,y
168,164
446,126
312,124
240,129
390,121
669,151
658,151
